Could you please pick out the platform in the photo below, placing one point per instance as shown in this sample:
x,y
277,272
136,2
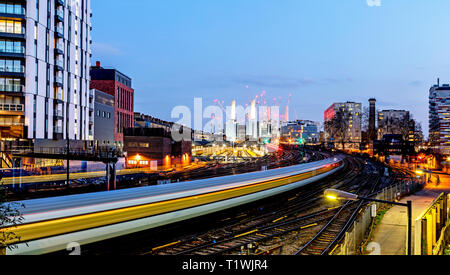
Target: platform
x,y
390,234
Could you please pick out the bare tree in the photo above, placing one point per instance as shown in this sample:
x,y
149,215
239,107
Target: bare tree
x,y
338,128
365,119
10,217
396,126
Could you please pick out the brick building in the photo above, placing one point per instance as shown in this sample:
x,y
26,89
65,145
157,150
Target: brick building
x,y
117,84
144,145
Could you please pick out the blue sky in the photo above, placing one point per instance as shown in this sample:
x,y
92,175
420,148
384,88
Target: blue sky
x,y
320,51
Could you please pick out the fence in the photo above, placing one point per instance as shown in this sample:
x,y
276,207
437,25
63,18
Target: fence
x,y
358,232
431,226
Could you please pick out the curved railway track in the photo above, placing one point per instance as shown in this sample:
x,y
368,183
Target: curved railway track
x,y
327,238
282,219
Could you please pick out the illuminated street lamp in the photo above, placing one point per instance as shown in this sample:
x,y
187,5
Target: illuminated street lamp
x,y
333,194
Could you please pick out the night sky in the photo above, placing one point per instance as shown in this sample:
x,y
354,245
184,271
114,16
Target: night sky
x,y
319,52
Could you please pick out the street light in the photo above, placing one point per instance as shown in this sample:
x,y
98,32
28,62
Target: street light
x,y
333,194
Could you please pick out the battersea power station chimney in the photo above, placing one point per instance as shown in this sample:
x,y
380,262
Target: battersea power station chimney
x,y
372,133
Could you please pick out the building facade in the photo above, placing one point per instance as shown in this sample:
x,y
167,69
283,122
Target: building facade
x,y
440,118
117,84
45,50
350,126
394,122
147,145
303,131
103,119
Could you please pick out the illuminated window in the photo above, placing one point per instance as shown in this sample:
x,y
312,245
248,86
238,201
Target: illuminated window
x,y
11,26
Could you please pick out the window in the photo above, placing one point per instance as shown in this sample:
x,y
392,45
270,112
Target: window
x,y
11,26
10,85
144,145
11,8
132,144
132,162
11,66
8,46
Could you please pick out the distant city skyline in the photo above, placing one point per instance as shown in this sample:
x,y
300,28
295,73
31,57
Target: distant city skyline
x,y
321,53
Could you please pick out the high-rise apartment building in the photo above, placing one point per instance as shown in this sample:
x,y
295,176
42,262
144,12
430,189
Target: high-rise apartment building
x,y
45,51
440,118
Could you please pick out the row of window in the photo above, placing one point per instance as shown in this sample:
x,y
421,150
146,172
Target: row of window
x,y
11,84
124,99
135,162
11,66
8,46
11,26
11,8
138,145
11,120
103,114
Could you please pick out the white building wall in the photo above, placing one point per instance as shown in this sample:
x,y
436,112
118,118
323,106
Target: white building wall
x,y
75,74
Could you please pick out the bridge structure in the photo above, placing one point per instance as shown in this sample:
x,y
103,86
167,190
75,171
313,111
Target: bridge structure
x,y
108,156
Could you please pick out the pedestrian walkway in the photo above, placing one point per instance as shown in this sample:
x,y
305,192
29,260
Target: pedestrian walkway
x,y
390,234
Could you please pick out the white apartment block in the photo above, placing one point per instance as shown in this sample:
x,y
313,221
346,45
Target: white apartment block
x,y
45,51
440,118
352,111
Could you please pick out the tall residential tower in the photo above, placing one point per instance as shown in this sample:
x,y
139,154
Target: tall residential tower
x,y
45,51
440,118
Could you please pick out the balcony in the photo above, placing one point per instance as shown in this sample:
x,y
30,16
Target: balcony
x,y
9,50
12,11
58,114
13,71
59,16
59,32
59,65
58,130
12,109
12,88
59,48
59,81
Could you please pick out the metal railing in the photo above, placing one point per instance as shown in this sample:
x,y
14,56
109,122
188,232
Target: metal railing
x,y
12,69
60,30
357,234
12,88
100,152
12,49
12,107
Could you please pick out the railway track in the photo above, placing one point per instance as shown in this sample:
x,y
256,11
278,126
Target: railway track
x,y
330,234
250,229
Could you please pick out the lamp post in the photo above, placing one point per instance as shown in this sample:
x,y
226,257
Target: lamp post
x,y
334,194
